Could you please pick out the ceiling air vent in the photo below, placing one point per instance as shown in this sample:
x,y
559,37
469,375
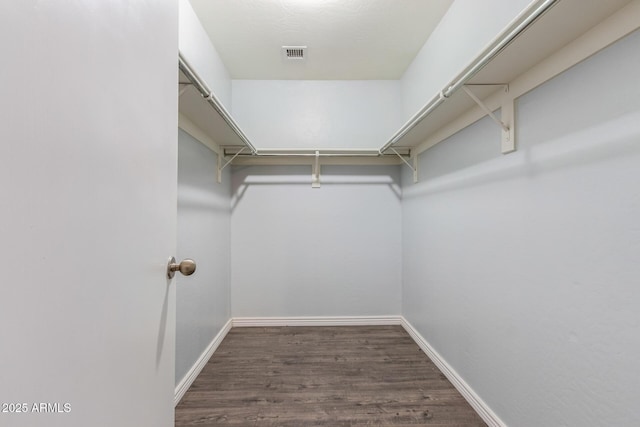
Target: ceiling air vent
x,y
296,53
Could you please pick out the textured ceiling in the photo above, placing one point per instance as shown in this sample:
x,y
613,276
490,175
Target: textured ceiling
x,y
346,39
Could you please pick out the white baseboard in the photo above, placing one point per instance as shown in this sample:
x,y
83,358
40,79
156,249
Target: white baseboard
x,y
195,370
465,390
317,321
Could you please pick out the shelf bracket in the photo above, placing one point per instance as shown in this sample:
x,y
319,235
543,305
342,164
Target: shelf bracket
x,y
315,172
508,144
220,167
413,167
508,114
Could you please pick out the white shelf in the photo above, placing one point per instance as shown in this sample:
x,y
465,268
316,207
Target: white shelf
x,y
560,25
563,23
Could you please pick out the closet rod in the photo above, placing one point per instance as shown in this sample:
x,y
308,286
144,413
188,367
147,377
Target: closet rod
x,y
351,152
211,98
333,150
519,25
322,152
319,154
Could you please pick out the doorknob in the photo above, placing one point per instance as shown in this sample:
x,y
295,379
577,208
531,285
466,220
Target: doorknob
x,y
187,267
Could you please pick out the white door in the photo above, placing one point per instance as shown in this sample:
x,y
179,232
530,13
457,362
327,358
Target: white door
x,y
88,134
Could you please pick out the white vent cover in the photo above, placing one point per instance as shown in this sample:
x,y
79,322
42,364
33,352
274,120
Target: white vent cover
x,y
295,53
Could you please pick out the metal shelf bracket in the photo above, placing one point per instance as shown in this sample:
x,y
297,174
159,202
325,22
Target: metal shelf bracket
x,y
507,123
220,167
413,167
315,172
508,114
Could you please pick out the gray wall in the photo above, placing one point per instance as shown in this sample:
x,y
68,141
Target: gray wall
x,y
197,49
317,114
522,271
203,305
298,251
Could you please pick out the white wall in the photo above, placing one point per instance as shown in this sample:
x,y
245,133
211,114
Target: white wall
x,y
467,27
298,251
317,114
197,49
204,224
522,271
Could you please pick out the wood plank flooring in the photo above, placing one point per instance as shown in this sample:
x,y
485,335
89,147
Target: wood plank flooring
x,y
322,376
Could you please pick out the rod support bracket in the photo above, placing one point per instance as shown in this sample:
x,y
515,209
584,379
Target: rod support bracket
x,y
315,172
413,167
220,167
508,115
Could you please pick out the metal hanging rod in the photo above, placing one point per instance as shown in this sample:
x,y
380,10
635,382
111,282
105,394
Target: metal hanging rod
x,y
313,150
320,154
523,22
207,94
327,152
317,152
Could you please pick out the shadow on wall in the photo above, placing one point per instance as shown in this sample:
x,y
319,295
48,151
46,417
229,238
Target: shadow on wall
x,y
198,199
612,139
244,177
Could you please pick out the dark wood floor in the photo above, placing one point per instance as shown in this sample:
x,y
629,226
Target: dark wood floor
x,y
322,376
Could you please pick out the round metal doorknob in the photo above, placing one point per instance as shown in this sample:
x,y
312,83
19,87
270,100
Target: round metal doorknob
x,y
187,267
